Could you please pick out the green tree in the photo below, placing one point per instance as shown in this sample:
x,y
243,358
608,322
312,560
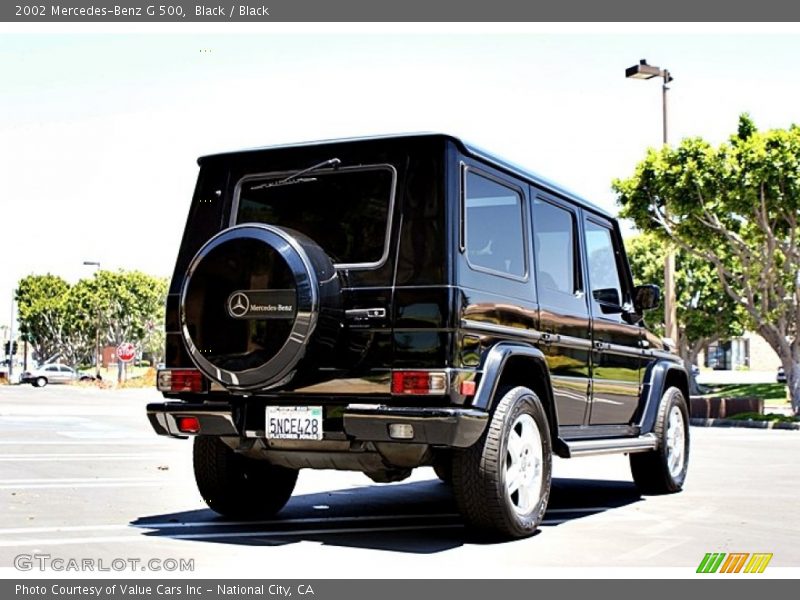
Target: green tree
x,y
705,312
735,206
127,301
61,320
43,314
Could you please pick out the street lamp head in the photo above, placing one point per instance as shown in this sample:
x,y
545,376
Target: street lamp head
x,y
91,263
644,71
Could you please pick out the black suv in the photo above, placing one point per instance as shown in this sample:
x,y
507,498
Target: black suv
x,y
387,303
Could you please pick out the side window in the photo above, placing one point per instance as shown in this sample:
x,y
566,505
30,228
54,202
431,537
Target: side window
x,y
494,238
602,257
555,248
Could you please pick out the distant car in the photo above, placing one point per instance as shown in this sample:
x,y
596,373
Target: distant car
x,y
781,376
53,373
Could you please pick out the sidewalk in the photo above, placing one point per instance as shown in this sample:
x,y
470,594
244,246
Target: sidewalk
x,y
744,424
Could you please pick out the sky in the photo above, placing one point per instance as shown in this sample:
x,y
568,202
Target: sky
x,y
100,132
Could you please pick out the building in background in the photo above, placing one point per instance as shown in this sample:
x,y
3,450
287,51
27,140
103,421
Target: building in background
x,y
749,351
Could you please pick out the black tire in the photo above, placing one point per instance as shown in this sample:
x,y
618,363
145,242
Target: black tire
x,y
236,486
40,382
443,467
479,472
662,471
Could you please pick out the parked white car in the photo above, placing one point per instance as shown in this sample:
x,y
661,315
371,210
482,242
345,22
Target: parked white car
x,y
53,373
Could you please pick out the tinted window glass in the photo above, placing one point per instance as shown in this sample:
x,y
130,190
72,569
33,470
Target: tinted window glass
x,y
604,278
346,212
554,247
494,228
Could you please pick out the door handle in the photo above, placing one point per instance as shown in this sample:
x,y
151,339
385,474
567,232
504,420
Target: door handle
x,y
363,314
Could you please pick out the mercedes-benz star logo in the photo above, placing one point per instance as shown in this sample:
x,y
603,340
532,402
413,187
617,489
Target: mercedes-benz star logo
x,y
238,305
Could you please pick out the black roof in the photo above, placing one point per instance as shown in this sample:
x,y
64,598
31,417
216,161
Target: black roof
x,y
467,148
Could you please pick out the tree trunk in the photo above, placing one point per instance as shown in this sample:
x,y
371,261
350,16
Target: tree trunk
x,y
688,354
789,353
792,370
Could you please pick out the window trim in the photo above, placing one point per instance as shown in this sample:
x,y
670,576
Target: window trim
x,y
618,248
520,192
579,279
362,266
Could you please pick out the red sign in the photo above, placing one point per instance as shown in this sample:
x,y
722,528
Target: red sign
x,y
126,352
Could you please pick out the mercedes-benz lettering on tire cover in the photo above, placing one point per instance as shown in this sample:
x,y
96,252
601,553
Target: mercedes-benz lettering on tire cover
x,y
251,301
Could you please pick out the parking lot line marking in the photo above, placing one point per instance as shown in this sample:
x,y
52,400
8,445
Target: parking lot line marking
x,y
72,541
304,532
42,486
79,482
233,534
97,442
77,454
579,509
250,534
216,535
65,529
212,524
78,457
67,480
300,520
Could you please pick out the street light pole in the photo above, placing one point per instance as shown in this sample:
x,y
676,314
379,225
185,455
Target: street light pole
x,y
90,263
645,71
11,338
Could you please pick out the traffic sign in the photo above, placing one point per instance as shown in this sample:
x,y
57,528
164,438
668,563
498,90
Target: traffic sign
x,y
126,352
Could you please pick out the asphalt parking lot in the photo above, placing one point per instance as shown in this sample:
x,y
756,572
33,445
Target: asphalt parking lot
x,y
82,476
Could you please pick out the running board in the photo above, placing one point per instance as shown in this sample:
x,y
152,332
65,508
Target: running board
x,y
643,443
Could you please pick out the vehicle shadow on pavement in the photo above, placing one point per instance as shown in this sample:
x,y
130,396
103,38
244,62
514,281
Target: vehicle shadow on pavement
x,y
419,517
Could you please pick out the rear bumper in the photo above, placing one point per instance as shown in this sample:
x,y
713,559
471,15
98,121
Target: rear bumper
x,y
450,427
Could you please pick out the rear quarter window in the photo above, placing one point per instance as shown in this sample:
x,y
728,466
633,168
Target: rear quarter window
x,y
494,232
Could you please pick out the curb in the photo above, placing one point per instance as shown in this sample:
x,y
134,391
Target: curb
x,y
745,424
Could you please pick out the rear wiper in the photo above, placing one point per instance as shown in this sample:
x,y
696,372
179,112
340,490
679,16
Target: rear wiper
x,y
334,163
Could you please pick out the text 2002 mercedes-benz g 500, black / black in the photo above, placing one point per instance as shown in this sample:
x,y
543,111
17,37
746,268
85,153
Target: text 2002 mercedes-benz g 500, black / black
x,y
387,303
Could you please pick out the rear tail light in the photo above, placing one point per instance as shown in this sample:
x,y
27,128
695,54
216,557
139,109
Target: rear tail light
x,y
468,388
180,380
419,382
188,424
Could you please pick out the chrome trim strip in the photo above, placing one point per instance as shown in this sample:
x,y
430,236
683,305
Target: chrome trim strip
x,y
561,340
644,443
373,167
531,334
663,354
505,330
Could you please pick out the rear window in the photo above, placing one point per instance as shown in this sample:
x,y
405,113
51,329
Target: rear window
x,y
346,211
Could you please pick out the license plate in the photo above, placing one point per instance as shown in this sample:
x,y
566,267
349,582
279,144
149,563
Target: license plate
x,y
294,422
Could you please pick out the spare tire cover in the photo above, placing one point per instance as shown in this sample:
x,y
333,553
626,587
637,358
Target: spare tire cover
x,y
250,302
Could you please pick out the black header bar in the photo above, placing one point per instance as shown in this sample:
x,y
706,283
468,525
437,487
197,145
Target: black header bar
x,y
188,11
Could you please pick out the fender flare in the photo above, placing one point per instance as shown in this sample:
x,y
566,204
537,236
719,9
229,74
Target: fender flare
x,y
492,368
653,388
